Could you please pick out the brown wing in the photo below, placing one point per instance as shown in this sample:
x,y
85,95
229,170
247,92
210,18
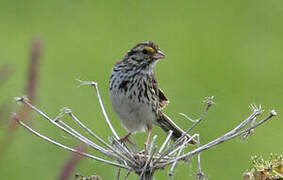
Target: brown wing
x,y
163,100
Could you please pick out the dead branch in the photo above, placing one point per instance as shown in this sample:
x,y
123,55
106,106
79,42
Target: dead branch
x,y
143,164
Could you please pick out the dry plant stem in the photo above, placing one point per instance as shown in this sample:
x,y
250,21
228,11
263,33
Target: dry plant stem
x,y
95,85
178,155
209,102
150,157
252,127
256,112
126,147
93,144
168,151
57,122
68,148
118,174
144,165
70,113
79,137
225,137
125,151
172,152
166,141
199,165
199,120
147,170
152,144
127,175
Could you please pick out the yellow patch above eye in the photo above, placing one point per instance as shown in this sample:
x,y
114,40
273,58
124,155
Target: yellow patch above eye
x,y
150,49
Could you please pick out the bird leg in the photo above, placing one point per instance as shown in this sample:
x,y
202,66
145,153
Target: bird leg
x,y
149,128
127,139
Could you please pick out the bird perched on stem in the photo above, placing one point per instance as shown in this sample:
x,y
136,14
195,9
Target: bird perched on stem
x,y
135,95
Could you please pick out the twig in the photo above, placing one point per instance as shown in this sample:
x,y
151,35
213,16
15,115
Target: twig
x,y
87,141
66,147
200,174
148,161
118,174
152,143
178,155
92,144
224,138
170,149
79,137
127,175
172,152
166,141
254,126
95,85
70,113
209,101
143,164
124,150
150,157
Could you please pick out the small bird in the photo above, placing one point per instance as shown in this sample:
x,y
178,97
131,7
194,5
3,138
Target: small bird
x,y
135,95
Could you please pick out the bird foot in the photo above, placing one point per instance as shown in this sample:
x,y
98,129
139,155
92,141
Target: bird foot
x,y
124,139
127,139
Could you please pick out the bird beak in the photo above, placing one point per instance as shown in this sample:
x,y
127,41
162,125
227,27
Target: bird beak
x,y
159,55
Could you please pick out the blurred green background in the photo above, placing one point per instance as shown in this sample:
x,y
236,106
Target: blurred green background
x,y
229,49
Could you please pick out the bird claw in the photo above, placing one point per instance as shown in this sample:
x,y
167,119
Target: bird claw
x,y
127,139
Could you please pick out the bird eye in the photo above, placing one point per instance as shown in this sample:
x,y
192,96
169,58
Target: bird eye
x,y
149,50
144,51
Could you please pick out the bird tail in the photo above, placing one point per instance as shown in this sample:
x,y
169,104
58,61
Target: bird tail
x,y
167,124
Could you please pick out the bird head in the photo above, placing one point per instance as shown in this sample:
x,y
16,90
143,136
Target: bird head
x,y
144,54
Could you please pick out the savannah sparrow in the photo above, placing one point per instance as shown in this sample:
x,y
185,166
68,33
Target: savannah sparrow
x,y
135,95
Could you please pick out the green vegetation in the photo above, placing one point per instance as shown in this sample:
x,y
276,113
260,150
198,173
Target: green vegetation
x,y
229,49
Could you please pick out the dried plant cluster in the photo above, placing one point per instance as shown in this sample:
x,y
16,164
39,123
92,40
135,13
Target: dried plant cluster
x,y
93,177
145,163
270,169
